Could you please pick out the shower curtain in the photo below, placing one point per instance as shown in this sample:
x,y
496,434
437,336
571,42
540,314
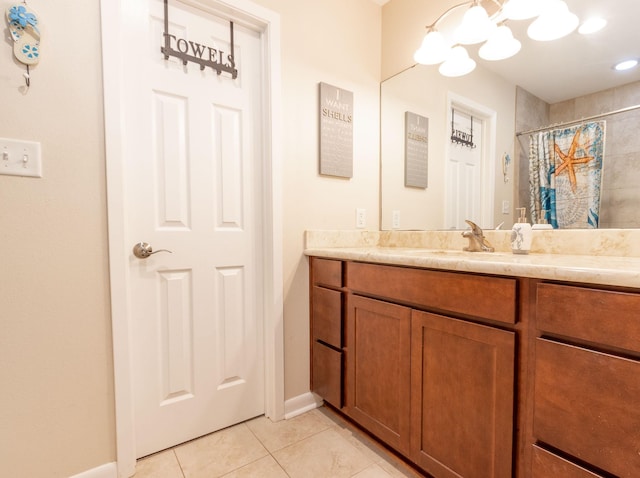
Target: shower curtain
x,y
565,175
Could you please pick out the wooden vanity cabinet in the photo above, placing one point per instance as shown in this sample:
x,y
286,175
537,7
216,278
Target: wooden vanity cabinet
x,y
439,388
450,368
327,326
586,415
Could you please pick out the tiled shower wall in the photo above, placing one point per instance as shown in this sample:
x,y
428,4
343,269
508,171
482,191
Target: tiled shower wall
x,y
621,175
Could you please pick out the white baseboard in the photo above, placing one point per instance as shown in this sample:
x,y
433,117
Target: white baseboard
x,y
108,470
302,403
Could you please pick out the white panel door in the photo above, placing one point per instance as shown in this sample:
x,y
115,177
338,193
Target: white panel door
x,y
193,186
464,176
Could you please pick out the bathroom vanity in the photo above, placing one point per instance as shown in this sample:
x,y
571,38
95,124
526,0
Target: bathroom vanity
x,y
482,365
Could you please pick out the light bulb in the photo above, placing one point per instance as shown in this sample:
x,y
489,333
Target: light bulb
x,y
501,45
626,65
458,63
476,26
592,25
434,49
556,21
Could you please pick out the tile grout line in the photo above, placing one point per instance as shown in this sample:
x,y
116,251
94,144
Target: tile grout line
x,y
173,449
269,451
331,424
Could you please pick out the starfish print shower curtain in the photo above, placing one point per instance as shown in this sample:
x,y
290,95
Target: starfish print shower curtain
x,y
565,175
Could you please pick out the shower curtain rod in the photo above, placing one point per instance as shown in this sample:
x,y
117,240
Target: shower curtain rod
x,y
589,118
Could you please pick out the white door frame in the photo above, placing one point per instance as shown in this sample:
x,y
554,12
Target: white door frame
x,y
115,81
488,163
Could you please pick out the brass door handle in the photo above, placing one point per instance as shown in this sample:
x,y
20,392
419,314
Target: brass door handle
x,y
142,250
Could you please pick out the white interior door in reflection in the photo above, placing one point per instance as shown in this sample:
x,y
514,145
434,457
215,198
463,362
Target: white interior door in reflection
x,y
464,172
470,166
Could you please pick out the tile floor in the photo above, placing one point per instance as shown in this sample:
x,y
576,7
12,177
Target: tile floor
x,y
317,444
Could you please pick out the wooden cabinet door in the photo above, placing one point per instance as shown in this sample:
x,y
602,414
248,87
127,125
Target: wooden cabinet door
x,y
462,392
378,368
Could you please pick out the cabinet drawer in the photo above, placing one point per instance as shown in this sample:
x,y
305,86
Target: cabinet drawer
x,y
326,272
605,317
492,298
587,404
547,465
327,316
327,374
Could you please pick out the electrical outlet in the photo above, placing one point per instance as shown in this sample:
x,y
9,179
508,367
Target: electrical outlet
x,y
506,207
361,218
395,219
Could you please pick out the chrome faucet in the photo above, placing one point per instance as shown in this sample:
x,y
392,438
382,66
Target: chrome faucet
x,y
477,241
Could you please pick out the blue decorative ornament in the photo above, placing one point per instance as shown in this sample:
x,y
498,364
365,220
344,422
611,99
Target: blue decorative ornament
x,y
19,16
23,27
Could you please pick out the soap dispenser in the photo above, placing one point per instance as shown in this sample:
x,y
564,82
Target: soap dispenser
x,y
521,234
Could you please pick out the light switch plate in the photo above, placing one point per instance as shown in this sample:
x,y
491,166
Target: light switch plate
x,y
20,158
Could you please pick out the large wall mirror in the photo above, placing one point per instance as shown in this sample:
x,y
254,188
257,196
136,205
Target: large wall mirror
x,y
546,83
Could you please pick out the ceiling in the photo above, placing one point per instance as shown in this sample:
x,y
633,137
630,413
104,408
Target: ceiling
x,y
572,66
576,64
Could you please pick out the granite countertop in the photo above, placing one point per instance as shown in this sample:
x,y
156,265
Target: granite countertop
x,y
586,268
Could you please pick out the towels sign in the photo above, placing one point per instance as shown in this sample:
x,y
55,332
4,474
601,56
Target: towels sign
x,y
190,51
461,137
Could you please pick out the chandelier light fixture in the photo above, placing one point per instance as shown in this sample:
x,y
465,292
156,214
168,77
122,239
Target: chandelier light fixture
x,y
552,20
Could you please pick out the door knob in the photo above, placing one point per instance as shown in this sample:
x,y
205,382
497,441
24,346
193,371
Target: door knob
x,y
142,250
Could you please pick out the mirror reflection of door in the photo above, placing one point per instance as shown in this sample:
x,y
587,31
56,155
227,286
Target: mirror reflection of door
x,y
463,170
469,171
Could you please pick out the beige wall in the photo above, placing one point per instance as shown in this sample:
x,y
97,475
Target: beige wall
x,y
336,42
56,405
56,408
424,91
